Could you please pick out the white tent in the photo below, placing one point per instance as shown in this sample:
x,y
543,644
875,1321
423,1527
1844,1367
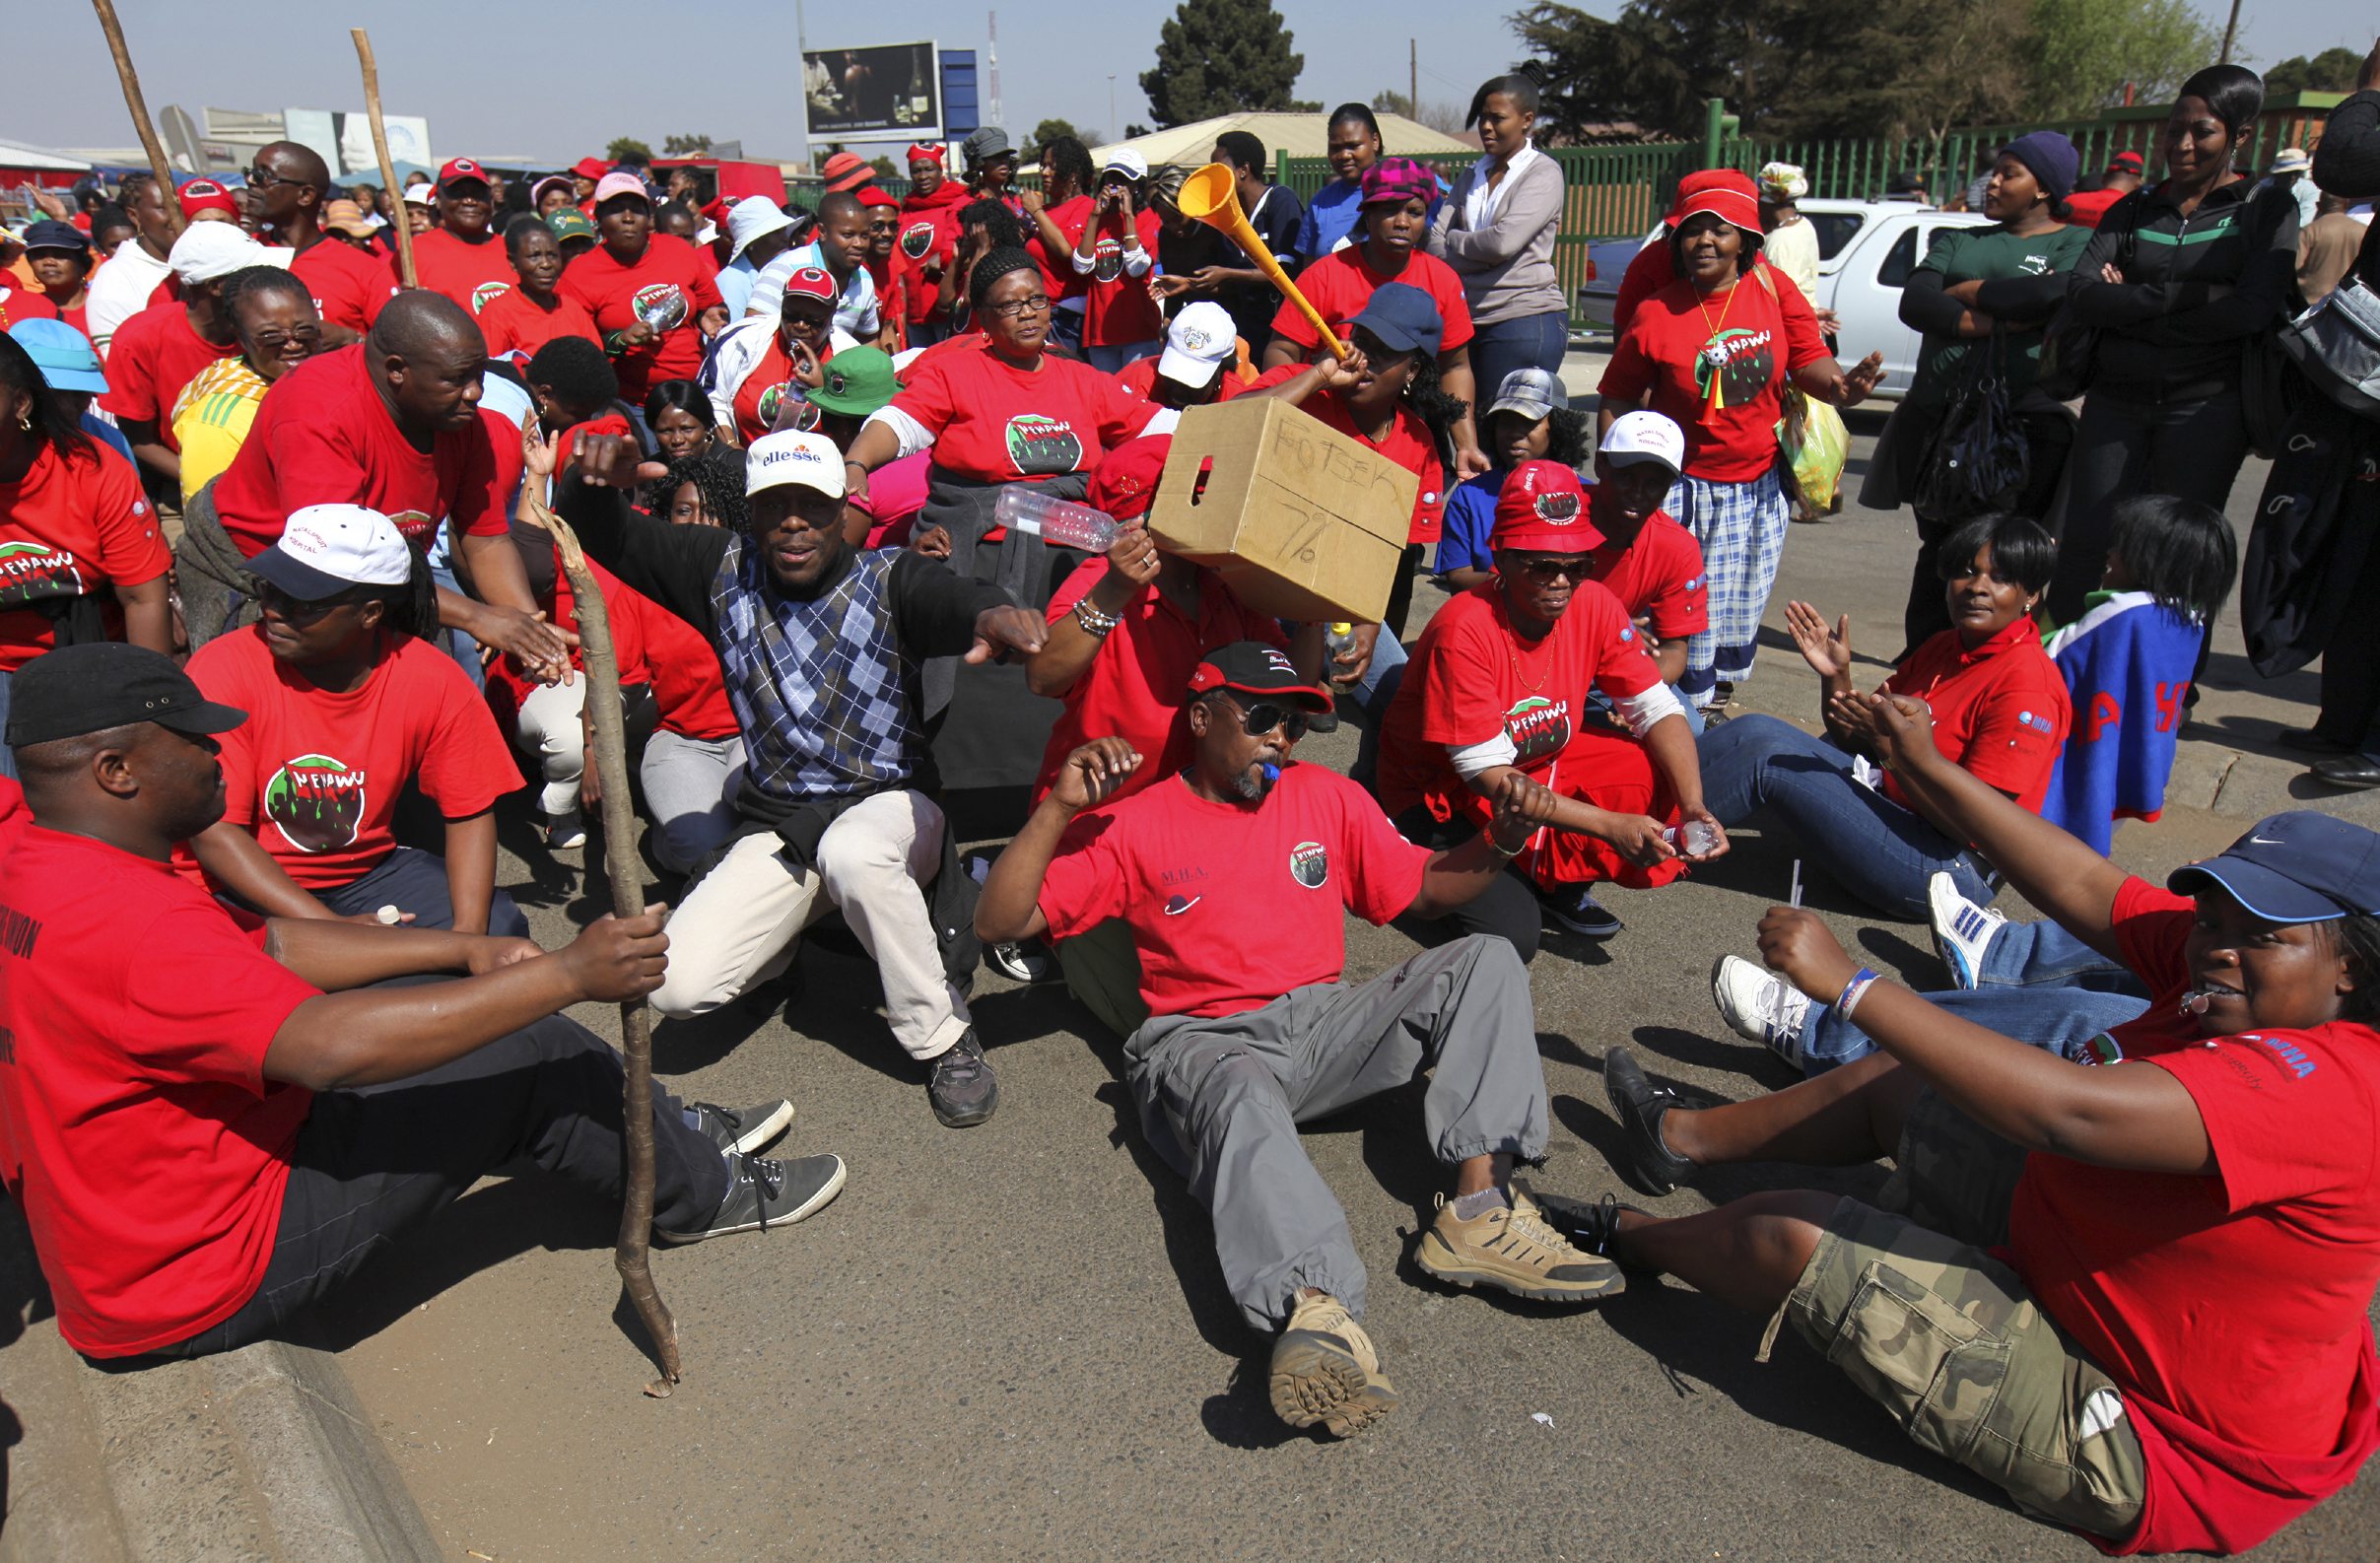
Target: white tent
x,y
1299,135
17,155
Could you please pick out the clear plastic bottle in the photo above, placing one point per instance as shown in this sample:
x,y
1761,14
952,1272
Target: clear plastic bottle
x,y
1338,637
1062,522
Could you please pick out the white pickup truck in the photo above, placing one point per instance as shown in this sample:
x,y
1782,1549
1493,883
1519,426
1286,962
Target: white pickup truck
x,y
1867,252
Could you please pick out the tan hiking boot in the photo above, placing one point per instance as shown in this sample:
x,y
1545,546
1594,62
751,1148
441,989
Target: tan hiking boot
x,y
1324,1370
1516,1250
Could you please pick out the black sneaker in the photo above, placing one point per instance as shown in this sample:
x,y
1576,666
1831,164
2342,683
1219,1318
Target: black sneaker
x,y
961,1087
1578,911
769,1194
1026,961
1590,1226
1639,1104
742,1131
566,831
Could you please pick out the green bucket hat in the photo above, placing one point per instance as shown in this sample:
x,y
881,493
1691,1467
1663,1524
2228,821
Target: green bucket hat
x,y
858,380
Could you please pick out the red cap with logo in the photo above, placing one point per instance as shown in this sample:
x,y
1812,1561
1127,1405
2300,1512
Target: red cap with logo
x,y
812,282
1124,485
457,169
207,195
1542,509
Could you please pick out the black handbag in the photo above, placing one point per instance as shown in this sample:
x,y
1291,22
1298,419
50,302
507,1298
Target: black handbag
x,y
1978,451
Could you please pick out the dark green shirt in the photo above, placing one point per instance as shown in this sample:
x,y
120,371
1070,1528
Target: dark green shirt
x,y
2031,275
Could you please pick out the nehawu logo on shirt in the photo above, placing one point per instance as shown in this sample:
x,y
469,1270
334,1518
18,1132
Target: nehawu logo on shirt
x,y
1040,445
1107,259
1742,361
32,572
1310,865
917,241
772,401
316,802
1538,727
654,298
487,292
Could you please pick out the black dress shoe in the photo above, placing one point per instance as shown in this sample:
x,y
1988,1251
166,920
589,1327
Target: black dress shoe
x,y
2312,740
1639,1104
2351,770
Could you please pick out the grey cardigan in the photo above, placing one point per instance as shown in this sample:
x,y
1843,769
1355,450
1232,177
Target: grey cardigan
x,y
1506,267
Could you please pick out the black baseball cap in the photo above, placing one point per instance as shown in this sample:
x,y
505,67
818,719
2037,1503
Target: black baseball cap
x,y
104,684
2294,867
1250,667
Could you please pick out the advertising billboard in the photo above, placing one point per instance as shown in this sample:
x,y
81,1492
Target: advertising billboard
x,y
889,92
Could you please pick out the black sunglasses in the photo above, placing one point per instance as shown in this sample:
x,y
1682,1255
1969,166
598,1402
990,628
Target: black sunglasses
x,y
1547,571
302,610
1265,715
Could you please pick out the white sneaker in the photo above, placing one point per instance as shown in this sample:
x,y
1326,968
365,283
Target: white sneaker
x,y
1760,1006
1962,930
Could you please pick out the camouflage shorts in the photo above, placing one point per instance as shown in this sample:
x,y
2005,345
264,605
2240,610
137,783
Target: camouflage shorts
x,y
1952,1174
1947,1338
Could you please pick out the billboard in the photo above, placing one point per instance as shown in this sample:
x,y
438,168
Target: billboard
x,y
889,92
344,139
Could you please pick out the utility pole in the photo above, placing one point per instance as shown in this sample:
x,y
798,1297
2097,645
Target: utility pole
x,y
1413,78
2230,31
1115,126
992,60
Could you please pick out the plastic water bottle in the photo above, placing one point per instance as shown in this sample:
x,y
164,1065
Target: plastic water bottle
x,y
1021,508
1337,638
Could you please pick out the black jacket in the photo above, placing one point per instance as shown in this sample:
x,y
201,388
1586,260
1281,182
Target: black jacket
x,y
2195,289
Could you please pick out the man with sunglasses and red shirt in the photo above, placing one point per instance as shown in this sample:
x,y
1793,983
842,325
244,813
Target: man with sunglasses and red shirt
x,y
1249,1037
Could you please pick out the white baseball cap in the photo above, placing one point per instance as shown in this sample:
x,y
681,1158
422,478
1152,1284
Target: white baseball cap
x,y
328,548
1124,161
810,461
749,218
200,256
1199,342
1645,436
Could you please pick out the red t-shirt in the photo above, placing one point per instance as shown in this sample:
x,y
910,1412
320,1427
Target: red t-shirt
x,y
1659,574
2088,206
1473,677
1141,378
71,527
1118,311
322,436
1407,443
927,244
609,291
995,422
1731,427
2000,711
1137,685
1195,879
141,1138
1650,270
512,322
317,775
761,394
469,274
19,304
687,685
2231,1311
349,287
155,355
1071,217
1340,284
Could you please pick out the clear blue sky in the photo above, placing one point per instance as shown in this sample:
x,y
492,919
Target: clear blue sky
x,y
500,78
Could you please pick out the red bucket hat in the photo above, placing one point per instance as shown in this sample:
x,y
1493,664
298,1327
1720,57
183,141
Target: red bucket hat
x,y
1542,508
1727,194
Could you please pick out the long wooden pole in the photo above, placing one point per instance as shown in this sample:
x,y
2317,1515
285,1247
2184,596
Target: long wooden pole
x,y
139,106
632,1253
379,147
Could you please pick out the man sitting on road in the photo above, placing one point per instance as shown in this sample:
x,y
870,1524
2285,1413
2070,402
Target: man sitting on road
x,y
203,1140
1233,877
822,645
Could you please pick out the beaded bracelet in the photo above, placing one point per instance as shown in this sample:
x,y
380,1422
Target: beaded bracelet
x,y
1853,992
1093,620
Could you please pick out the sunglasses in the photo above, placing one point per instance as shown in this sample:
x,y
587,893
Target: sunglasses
x,y
299,610
1544,572
1265,715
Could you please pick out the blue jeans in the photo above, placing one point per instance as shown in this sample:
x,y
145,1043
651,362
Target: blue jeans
x,y
415,881
1109,360
1534,341
457,644
2045,955
1879,851
2057,1020
1599,709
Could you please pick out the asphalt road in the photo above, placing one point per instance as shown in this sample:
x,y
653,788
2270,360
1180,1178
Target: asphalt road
x,y
1012,1341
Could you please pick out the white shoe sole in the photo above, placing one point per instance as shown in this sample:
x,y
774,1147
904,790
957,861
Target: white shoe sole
x,y
780,1119
809,1207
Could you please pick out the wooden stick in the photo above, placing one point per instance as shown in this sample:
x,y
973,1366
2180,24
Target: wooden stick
x,y
380,146
139,106
633,1254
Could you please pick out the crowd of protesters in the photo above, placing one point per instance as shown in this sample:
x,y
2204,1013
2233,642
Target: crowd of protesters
x,y
274,739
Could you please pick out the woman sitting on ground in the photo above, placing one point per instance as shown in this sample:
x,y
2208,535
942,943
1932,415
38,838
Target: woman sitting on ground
x,y
1502,680
2133,1296
1998,703
274,320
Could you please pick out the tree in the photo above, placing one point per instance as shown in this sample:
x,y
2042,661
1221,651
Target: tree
x,y
1221,57
622,148
1444,117
2084,52
2334,70
1050,130
683,145
1135,131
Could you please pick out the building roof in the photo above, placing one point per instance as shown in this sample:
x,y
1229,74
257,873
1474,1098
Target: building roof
x,y
17,155
1299,135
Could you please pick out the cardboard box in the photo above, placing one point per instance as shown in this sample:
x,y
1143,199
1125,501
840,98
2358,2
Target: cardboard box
x,y
1304,522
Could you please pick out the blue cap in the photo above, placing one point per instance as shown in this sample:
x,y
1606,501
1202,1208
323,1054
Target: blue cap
x,y
51,233
62,354
2051,157
2295,867
1403,316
